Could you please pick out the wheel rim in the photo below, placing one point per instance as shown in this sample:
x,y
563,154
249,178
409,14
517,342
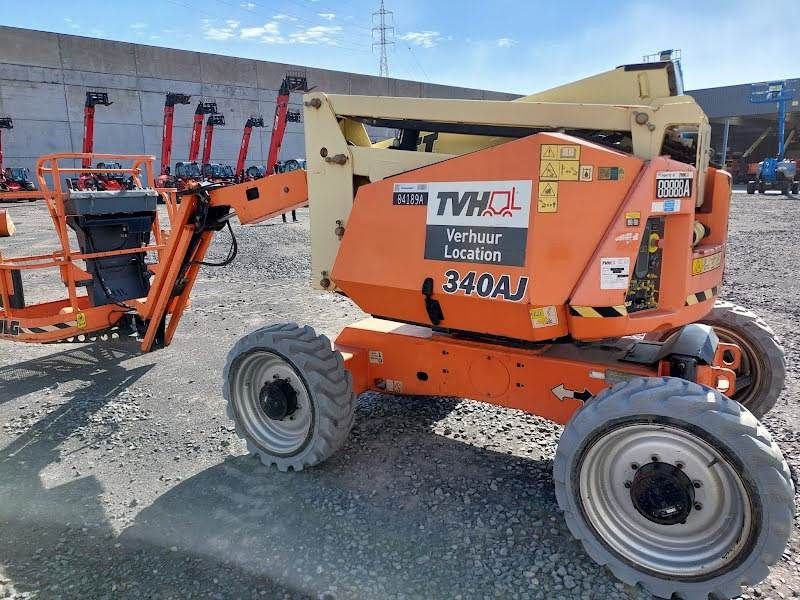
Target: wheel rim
x,y
750,374
278,436
715,529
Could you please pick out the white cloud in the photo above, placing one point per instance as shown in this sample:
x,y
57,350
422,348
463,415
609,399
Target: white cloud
x,y
318,34
269,33
426,39
282,17
139,26
327,16
506,42
219,33
71,24
247,5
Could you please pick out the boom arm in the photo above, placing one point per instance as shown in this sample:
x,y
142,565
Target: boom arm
x,y
92,100
203,108
166,138
212,121
248,129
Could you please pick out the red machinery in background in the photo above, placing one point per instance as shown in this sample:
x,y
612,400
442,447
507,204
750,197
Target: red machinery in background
x,y
203,108
166,179
13,180
112,176
92,100
213,121
253,121
187,174
295,81
214,172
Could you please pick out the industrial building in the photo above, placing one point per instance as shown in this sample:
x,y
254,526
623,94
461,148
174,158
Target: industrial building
x,y
44,78
752,127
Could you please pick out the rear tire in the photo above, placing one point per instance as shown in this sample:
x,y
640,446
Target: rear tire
x,y
762,187
289,395
762,374
751,187
716,514
795,187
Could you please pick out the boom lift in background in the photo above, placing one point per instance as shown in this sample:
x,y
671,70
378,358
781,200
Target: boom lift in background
x,y
294,81
166,178
203,108
775,172
241,175
107,176
14,181
188,174
470,234
214,172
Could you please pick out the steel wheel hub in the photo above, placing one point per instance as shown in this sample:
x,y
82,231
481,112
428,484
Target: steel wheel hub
x,y
272,403
278,399
664,500
662,493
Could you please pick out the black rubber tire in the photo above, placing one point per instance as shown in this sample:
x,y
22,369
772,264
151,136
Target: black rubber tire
x,y
731,322
795,187
751,187
762,188
328,383
730,428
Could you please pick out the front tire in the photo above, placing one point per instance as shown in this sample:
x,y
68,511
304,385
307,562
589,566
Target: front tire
x,y
675,487
289,395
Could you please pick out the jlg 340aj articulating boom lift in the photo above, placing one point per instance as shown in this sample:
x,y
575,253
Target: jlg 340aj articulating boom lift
x,y
508,252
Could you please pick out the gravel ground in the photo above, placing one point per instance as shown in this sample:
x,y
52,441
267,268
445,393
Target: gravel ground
x,y
120,476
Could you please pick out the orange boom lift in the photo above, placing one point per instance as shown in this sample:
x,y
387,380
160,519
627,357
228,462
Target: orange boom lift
x,y
560,254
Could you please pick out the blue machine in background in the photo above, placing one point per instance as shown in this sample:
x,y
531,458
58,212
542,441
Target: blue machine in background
x,y
775,173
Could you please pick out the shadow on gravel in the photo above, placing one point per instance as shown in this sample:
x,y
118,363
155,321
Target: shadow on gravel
x,y
57,542
86,363
399,512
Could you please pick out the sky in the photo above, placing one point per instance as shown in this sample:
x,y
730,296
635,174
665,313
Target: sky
x,y
503,45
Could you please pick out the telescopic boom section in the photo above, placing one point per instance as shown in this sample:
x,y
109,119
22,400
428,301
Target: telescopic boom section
x,y
5,123
213,120
203,108
166,138
92,100
295,81
248,129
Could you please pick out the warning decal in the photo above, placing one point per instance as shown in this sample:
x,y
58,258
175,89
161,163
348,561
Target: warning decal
x,y
587,172
559,162
548,197
610,173
614,273
478,221
544,316
706,263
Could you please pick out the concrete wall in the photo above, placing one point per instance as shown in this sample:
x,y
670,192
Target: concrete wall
x,y
44,78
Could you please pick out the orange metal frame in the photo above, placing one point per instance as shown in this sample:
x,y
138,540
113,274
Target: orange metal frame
x,y
179,249
550,380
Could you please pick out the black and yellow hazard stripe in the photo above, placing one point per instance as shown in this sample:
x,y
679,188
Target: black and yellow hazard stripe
x,y
599,312
48,328
701,296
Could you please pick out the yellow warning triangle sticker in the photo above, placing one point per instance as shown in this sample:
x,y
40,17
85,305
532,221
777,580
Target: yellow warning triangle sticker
x,y
547,191
549,153
549,171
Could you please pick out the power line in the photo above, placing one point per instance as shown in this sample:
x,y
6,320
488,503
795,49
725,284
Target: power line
x,y
385,36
